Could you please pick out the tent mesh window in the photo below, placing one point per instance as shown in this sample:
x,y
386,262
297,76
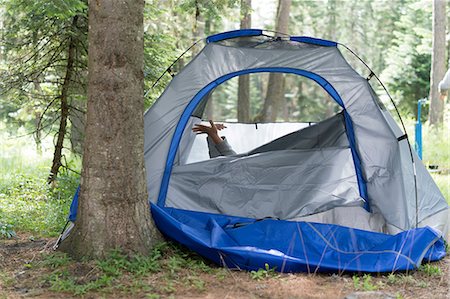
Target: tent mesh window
x,y
301,103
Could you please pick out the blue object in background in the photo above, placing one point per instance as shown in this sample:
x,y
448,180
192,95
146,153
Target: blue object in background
x,y
74,206
418,144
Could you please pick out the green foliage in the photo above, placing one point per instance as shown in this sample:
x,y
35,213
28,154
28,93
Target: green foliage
x,y
406,279
393,37
430,270
303,101
356,282
36,37
116,262
267,272
436,143
107,274
31,216
398,296
171,28
197,283
6,280
413,280
159,50
62,282
56,260
392,278
27,202
6,231
365,283
212,9
408,58
435,152
25,198
43,10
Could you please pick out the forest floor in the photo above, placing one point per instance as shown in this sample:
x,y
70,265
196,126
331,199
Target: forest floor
x,y
30,268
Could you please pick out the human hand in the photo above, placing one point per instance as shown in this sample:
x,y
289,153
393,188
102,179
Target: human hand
x,y
212,131
219,126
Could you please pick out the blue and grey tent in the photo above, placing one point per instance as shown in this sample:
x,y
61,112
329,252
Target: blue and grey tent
x,y
345,193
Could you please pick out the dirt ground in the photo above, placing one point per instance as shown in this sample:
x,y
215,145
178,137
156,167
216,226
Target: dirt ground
x,y
21,277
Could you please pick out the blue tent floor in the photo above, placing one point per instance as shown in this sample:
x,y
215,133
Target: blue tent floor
x,y
288,246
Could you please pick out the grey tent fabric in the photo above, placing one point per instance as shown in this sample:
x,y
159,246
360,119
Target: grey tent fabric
x,y
385,161
284,184
328,133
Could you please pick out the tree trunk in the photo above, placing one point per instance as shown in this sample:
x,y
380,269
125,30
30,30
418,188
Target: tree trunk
x,y
332,26
38,120
113,209
437,62
243,105
77,120
199,28
275,92
64,109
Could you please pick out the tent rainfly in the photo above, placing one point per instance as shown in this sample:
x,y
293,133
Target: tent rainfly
x,y
343,194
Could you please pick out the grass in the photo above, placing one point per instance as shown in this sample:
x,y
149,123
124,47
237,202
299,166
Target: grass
x,y
108,275
435,151
443,182
364,283
430,269
267,272
27,202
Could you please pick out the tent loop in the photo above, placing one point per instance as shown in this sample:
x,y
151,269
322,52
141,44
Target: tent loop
x,y
405,136
370,76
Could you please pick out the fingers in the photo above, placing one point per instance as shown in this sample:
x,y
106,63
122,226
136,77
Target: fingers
x,y
201,129
205,129
217,126
220,126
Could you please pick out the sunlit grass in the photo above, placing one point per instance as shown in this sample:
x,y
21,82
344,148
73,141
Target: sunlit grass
x,y
443,182
435,151
27,202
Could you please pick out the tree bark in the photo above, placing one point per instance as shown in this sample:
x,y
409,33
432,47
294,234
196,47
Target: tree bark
x,y
38,121
113,209
64,109
243,105
437,62
77,120
275,88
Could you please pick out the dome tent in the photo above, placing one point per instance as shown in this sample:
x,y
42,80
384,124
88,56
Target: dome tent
x,y
344,194
363,178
